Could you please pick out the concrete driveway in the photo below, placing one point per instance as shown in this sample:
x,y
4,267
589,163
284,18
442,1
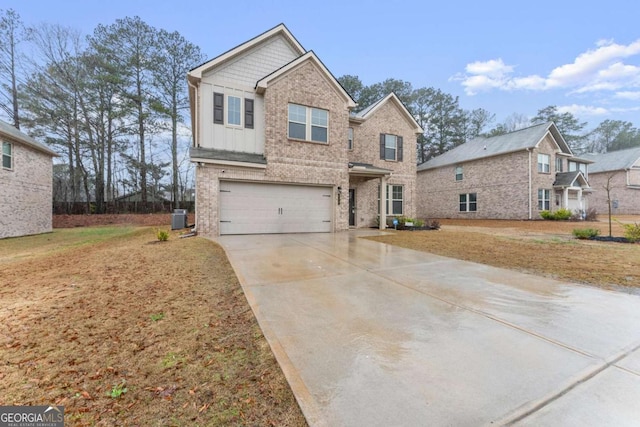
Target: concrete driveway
x,y
369,334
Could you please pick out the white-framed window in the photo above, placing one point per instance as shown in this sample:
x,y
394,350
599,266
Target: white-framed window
x,y
574,166
394,199
308,123
558,164
350,139
543,163
459,173
7,155
468,202
390,147
234,110
544,196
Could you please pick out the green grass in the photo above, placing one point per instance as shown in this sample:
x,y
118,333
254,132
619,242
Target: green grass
x,y
60,240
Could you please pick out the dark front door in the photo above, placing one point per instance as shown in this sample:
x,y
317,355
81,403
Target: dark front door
x,y
352,207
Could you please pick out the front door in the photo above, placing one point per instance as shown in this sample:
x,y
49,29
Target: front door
x,y
352,207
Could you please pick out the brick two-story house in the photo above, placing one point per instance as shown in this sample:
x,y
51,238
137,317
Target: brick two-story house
x,y
277,149
511,176
620,171
26,179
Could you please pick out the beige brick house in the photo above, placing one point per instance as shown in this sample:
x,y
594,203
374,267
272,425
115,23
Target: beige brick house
x,y
511,176
26,180
623,169
277,149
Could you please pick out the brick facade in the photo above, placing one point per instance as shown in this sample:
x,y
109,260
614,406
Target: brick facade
x,y
26,193
626,196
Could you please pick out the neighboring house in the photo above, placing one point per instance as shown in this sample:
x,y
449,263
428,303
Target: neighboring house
x,y
511,176
623,167
278,151
26,182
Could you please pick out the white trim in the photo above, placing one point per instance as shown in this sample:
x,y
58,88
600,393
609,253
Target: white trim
x,y
228,163
392,96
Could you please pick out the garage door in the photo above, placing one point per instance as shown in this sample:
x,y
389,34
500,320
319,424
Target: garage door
x,y
254,208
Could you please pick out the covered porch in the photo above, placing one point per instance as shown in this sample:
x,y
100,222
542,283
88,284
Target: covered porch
x,y
570,189
365,202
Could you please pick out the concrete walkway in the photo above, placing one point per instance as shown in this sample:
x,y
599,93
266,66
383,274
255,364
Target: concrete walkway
x,y
369,334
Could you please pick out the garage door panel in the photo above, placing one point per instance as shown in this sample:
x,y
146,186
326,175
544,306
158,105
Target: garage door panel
x,y
256,208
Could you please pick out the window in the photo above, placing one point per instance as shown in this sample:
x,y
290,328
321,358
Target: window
x,y
543,199
218,108
350,139
543,163
7,155
394,198
309,124
390,147
459,173
468,202
558,164
574,166
233,110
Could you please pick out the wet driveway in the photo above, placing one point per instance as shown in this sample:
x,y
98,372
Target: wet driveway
x,y
369,334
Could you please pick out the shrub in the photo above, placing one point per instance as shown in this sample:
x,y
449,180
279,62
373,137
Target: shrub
x,y
591,214
546,215
435,225
418,222
632,232
562,214
585,233
162,235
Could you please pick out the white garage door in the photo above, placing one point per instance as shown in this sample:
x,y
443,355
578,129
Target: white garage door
x,y
255,208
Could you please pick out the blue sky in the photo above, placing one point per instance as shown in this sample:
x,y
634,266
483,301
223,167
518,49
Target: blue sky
x,y
504,56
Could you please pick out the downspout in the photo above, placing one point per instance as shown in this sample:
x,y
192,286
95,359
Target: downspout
x,y
530,188
195,138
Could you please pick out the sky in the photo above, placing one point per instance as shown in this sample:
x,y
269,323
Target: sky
x,y
504,56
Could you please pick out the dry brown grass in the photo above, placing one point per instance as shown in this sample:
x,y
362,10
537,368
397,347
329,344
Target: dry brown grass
x,y
540,247
86,310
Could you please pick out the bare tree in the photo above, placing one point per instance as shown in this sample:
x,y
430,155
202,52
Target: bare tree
x,y
11,34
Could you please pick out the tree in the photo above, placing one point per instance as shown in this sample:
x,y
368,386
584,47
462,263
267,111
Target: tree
x,y
512,123
174,57
352,85
11,34
568,125
476,121
442,119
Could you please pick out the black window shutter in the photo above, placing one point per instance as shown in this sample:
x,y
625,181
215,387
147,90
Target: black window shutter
x,y
382,146
248,113
399,149
218,108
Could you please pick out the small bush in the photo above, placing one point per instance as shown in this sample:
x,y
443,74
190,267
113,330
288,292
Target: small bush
x,y
546,215
632,232
435,224
585,233
559,215
591,214
418,222
162,235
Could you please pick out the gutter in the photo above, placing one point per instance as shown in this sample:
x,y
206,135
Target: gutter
x,y
530,183
194,123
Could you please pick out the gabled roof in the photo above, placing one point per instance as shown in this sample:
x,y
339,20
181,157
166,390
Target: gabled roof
x,y
613,161
9,132
280,29
310,56
479,148
392,97
568,179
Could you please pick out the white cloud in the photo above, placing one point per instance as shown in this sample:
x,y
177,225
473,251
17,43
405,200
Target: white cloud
x,y
599,69
583,110
631,95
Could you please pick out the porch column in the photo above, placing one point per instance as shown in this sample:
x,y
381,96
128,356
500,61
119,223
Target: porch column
x,y
565,198
383,203
580,203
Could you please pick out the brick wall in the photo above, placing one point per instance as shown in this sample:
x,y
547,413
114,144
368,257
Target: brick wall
x,y
628,197
26,193
387,119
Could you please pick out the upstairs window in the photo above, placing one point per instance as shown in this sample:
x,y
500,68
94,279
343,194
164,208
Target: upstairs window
x,y
558,164
308,124
234,110
582,167
7,155
459,174
468,202
543,163
350,139
390,147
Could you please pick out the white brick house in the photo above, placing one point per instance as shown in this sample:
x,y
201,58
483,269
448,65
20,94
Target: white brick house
x,y
26,180
511,176
622,170
278,150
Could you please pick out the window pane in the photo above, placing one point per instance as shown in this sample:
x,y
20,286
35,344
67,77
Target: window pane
x,y
319,117
297,130
318,134
233,103
297,113
6,161
6,148
459,173
350,139
390,153
472,197
397,207
390,141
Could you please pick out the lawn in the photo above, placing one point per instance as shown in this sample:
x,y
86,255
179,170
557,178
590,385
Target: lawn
x,y
545,248
124,330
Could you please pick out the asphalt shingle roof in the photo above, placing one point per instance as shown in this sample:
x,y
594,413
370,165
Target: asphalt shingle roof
x,y
479,148
613,161
15,135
